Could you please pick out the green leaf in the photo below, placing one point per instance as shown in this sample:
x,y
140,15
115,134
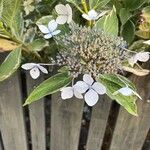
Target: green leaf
x,y
111,23
124,15
128,31
44,20
113,83
97,3
10,64
49,86
133,4
37,45
100,23
12,16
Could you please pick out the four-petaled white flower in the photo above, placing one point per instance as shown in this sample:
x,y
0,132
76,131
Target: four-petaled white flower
x,y
49,31
34,69
141,56
147,42
90,88
126,91
64,12
93,15
69,92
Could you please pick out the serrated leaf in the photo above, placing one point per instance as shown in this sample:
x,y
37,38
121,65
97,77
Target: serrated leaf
x,y
37,45
112,83
44,20
124,15
7,45
97,3
128,31
49,86
111,23
133,4
12,16
10,64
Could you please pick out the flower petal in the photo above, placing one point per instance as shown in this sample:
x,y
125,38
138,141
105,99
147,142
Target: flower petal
x,y
77,94
92,14
81,87
43,29
61,9
142,56
126,91
52,25
88,79
48,36
99,88
69,9
91,97
62,19
35,72
28,66
56,32
44,70
66,93
85,16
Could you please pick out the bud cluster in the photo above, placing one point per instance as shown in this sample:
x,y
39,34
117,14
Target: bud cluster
x,y
90,51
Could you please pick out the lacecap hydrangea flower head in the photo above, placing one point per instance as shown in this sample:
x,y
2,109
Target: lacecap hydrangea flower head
x,y
88,51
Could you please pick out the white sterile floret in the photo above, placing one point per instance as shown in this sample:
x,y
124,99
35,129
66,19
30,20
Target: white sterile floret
x,y
93,15
90,88
126,91
34,69
141,56
64,12
49,31
147,42
69,92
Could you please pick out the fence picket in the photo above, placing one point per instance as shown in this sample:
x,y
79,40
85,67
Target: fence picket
x,y
130,132
37,118
11,115
98,124
65,123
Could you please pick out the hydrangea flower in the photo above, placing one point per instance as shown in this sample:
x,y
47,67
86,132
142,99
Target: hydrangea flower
x,y
64,12
93,15
90,88
141,56
34,69
69,92
49,31
126,91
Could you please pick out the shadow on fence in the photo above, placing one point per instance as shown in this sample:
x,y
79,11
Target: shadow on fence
x,y
53,124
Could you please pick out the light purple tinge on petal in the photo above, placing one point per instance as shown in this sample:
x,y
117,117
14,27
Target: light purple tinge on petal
x,y
52,26
81,87
66,93
35,72
99,88
43,29
48,36
44,70
28,66
88,79
91,97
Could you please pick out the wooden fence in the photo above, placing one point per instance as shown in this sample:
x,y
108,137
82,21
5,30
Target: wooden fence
x,y
53,124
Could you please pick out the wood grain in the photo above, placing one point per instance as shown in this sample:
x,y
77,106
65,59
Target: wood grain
x,y
98,123
66,118
11,115
130,132
37,117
